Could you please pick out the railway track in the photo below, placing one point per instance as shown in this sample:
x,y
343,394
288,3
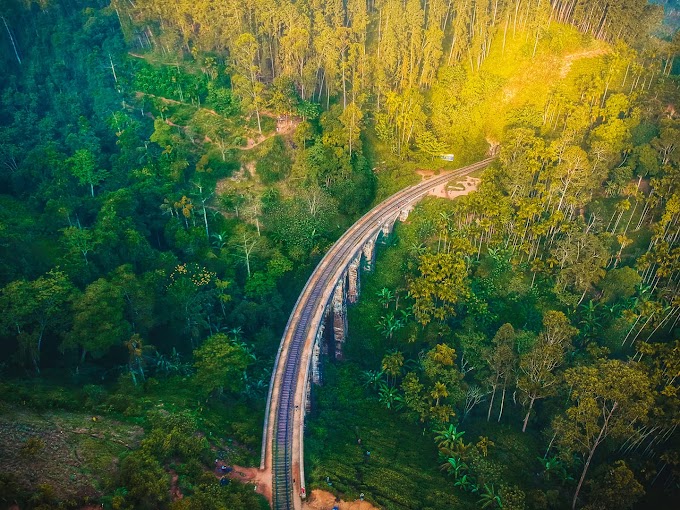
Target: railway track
x,y
285,396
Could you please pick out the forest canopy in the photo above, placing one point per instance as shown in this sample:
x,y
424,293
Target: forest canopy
x,y
172,171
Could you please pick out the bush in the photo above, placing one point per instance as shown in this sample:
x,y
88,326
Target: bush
x,y
10,490
95,395
145,483
173,435
32,447
274,163
210,495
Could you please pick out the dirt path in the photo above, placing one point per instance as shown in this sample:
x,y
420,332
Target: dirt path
x,y
322,500
568,60
260,479
451,191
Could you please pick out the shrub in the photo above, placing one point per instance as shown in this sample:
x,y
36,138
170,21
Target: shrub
x,y
32,447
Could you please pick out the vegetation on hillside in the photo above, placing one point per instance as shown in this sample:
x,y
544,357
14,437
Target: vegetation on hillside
x,y
170,172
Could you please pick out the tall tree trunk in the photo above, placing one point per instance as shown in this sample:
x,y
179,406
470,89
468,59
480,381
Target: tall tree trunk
x,y
526,418
493,394
11,38
500,413
591,453
205,220
259,125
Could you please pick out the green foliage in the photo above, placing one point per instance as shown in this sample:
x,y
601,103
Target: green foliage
x,y
220,365
146,484
222,100
210,495
441,284
169,81
32,447
273,163
84,168
173,435
614,486
619,284
401,470
32,309
98,322
113,120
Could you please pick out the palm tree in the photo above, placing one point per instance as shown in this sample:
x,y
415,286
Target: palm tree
x,y
489,498
417,249
406,314
438,392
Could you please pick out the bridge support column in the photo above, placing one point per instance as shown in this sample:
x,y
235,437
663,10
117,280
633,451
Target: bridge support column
x,y
387,228
353,283
339,317
369,254
316,356
308,396
403,214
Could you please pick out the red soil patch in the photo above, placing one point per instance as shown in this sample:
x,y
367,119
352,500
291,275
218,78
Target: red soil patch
x,y
260,479
322,500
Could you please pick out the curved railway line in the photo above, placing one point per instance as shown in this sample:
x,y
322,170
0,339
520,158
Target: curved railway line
x,y
284,418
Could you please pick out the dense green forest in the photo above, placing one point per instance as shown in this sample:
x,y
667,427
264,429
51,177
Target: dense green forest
x,y
171,171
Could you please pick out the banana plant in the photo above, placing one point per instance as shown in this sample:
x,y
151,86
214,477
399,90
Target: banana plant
x,y
447,438
373,378
465,483
390,397
455,466
489,498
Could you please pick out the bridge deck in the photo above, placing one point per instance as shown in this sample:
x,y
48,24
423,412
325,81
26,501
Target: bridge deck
x,y
282,442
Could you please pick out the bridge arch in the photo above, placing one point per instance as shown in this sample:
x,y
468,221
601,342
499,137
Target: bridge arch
x,y
334,283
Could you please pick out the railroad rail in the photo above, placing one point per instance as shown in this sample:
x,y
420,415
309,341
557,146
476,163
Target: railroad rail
x,y
283,433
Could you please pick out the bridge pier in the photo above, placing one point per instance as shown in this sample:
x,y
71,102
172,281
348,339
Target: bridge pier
x,y
369,254
353,282
403,214
316,355
386,228
339,317
308,396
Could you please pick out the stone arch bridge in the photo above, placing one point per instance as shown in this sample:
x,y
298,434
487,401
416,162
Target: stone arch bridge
x,y
323,302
